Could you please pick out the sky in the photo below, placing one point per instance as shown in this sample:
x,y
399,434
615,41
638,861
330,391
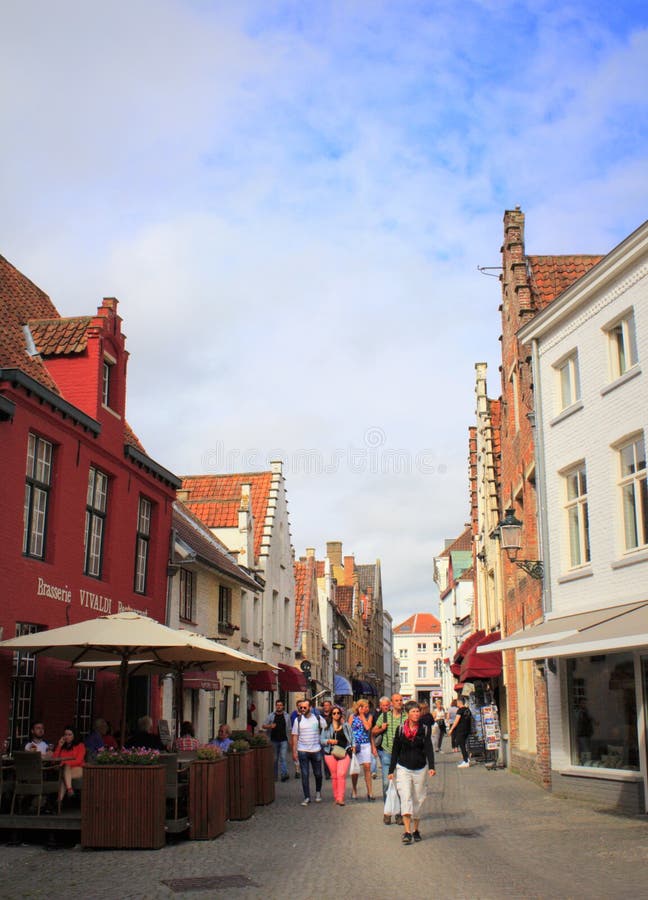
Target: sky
x,y
291,201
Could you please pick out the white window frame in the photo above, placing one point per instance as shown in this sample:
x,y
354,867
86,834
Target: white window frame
x,y
404,674
38,480
142,541
577,515
96,507
421,670
402,653
422,647
633,493
568,389
622,344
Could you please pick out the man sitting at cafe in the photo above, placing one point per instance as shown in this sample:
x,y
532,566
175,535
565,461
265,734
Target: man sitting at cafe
x,y
37,741
144,736
99,738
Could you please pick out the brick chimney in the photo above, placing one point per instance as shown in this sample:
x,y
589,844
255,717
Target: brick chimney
x,y
334,552
349,569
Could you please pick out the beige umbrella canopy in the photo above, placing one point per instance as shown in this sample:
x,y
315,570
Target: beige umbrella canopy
x,y
128,639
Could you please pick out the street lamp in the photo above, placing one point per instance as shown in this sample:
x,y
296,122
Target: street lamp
x,y
509,533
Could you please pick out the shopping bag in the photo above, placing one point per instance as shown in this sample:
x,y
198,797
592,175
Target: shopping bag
x,y
392,800
354,768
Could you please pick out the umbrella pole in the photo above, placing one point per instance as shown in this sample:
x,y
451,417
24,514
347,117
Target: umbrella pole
x,y
178,683
123,683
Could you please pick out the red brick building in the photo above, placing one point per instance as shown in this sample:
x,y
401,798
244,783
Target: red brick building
x,y
529,283
85,514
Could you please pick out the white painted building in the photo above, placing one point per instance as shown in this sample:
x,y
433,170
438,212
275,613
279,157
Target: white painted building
x,y
590,359
389,683
453,576
417,647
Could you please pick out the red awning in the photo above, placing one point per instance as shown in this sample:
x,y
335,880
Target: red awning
x,y
201,681
476,666
465,646
455,668
262,681
291,679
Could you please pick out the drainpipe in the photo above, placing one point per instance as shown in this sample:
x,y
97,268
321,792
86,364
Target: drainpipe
x,y
538,448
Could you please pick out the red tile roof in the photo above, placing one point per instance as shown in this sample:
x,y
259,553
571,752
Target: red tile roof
x,y
60,337
216,499
20,301
551,275
207,546
419,623
344,599
320,568
463,542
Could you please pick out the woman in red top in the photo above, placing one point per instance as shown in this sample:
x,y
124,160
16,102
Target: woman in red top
x,y
71,751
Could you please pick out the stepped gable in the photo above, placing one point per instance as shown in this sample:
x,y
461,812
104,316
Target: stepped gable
x,y
549,276
304,573
366,577
216,500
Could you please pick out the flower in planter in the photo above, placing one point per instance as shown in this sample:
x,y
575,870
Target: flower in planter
x,y
240,735
131,756
238,747
209,753
258,740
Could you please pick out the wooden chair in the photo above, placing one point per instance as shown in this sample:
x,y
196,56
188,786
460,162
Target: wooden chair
x,y
30,780
6,779
175,788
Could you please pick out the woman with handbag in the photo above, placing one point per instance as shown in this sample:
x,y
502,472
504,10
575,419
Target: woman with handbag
x,y
337,742
361,723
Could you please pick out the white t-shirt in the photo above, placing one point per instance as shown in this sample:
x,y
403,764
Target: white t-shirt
x,y
308,733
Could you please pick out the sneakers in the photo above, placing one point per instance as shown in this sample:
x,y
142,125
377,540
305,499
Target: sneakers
x,y
417,836
318,797
463,765
285,778
305,801
406,838
399,819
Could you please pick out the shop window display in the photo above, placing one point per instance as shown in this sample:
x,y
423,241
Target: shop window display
x,y
603,712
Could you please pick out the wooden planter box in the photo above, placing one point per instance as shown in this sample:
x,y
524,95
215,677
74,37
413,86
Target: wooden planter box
x,y
264,772
207,798
123,807
241,785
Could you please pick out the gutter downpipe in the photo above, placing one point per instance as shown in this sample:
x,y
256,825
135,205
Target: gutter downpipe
x,y
538,445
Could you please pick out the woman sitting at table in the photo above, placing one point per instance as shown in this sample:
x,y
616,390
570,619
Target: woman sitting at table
x,y
223,740
71,752
187,742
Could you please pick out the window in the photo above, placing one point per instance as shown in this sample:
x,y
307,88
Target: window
x,y
95,521
634,500
622,345
421,647
142,544
22,693
603,712
276,631
288,631
187,595
404,674
422,670
244,615
224,605
402,653
37,486
85,694
515,401
577,517
105,389
568,381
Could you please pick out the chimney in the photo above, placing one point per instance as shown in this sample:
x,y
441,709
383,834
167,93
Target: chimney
x,y
334,552
310,552
349,569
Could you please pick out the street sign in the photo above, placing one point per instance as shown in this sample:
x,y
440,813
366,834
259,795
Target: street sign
x,y
339,645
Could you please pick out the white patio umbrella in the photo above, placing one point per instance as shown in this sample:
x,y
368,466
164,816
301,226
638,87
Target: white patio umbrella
x,y
128,639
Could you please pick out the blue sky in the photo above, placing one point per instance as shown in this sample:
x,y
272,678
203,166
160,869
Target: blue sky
x,y
291,200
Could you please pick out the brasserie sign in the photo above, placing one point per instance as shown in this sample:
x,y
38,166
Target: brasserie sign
x,y
87,599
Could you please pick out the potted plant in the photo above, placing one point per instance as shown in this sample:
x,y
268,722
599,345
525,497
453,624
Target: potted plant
x,y
123,800
263,753
241,782
207,794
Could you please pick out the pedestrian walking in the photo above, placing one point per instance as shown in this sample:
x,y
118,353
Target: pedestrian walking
x,y
450,717
307,748
439,716
360,722
279,726
337,743
387,726
412,763
461,729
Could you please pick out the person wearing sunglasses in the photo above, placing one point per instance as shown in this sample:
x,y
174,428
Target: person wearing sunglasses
x,y
337,742
307,748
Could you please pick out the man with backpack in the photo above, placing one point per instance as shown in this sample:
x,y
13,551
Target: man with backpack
x,y
307,748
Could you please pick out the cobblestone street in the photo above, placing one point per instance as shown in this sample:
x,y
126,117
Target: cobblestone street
x,y
495,834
